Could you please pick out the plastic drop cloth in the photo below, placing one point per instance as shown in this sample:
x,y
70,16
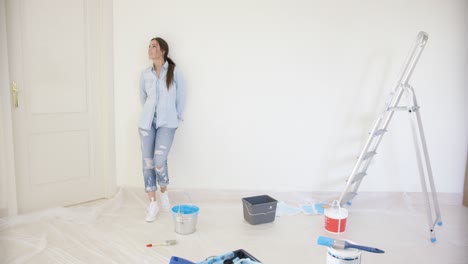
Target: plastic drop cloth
x,y
114,231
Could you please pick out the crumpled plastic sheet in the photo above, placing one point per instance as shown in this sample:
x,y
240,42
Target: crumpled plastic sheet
x,y
79,234
113,230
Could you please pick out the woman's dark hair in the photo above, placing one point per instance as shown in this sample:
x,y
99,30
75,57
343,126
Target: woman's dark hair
x,y
170,71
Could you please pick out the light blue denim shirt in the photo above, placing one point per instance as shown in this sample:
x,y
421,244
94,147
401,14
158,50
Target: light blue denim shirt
x,y
154,96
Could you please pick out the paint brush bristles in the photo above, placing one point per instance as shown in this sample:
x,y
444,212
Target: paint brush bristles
x,y
165,243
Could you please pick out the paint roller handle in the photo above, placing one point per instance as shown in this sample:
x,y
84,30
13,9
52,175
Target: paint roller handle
x,y
177,260
368,249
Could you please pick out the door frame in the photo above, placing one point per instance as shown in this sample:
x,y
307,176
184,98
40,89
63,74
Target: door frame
x,y
8,205
102,123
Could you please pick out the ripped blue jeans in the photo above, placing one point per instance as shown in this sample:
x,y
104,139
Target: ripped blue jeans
x,y
155,147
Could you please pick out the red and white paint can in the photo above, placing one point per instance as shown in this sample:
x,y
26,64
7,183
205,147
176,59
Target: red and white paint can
x,y
335,219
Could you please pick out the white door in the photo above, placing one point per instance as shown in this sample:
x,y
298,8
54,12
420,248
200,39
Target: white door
x,y
54,59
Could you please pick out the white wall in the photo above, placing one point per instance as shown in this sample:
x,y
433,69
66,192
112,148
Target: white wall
x,y
281,94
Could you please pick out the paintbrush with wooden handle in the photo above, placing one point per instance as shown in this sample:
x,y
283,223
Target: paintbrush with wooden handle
x,y
165,243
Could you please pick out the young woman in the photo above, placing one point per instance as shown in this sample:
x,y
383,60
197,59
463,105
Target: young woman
x,y
162,95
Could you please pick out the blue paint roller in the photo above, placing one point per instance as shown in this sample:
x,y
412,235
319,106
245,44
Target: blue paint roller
x,y
177,260
343,244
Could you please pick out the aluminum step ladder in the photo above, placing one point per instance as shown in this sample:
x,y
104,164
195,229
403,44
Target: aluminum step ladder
x,y
378,131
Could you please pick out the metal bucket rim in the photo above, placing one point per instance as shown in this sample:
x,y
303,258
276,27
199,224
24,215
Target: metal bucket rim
x,y
185,209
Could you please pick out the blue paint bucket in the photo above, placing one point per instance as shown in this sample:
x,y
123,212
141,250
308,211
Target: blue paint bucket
x,y
185,218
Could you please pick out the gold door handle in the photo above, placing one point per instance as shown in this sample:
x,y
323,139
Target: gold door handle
x,y
14,94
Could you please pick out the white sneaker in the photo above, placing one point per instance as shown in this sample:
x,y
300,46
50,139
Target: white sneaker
x,y
152,211
165,204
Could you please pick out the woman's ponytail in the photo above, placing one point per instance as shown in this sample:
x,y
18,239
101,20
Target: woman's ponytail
x,y
170,72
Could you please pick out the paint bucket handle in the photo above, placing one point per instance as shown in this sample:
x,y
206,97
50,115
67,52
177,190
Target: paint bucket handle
x,y
335,204
190,202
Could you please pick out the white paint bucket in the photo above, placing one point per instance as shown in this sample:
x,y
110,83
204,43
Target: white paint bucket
x,y
343,256
335,219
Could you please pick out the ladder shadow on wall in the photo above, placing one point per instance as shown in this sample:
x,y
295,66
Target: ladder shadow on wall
x,y
366,101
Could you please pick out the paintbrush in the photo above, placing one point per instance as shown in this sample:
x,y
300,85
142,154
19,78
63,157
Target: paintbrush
x,y
165,243
343,244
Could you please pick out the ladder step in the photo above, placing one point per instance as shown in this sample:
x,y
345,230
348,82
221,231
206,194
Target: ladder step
x,y
379,132
358,177
397,108
368,155
347,197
